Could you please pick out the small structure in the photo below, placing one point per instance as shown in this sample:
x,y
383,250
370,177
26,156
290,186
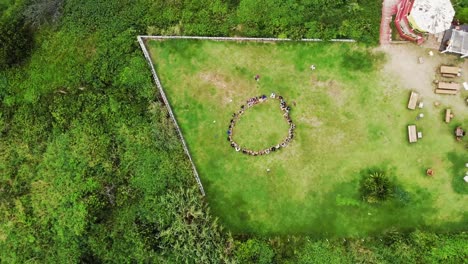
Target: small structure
x,y
417,17
448,115
458,43
430,172
419,134
431,16
412,137
402,24
459,133
413,100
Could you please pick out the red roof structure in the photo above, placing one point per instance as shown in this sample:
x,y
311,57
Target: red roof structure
x,y
402,24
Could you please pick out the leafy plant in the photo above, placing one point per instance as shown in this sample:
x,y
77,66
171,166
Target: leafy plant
x,y
376,187
254,251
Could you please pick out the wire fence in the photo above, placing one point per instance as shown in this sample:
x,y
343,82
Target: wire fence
x,y
171,114
141,41
244,39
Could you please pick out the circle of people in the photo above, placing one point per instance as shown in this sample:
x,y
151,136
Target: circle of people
x,y
250,103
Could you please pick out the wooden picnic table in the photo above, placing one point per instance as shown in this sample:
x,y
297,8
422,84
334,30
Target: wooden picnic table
x,y
448,85
412,135
444,91
413,100
449,70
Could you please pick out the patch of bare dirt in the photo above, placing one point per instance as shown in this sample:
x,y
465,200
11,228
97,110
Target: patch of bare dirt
x,y
313,121
404,70
225,88
215,79
333,89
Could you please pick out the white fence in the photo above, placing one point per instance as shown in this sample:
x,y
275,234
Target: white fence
x,y
241,39
141,40
166,102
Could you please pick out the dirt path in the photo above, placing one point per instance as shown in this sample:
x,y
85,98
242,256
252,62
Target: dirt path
x,y
402,64
389,8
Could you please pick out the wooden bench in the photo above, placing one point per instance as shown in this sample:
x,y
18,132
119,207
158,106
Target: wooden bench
x,y
412,135
443,91
448,115
448,75
449,70
448,85
413,100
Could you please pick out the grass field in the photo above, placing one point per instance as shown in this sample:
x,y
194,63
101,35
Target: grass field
x,y
349,118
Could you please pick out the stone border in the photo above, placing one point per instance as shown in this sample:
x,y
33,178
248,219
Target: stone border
x,y
141,40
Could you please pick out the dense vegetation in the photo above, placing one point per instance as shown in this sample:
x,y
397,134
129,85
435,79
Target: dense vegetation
x,y
91,169
461,10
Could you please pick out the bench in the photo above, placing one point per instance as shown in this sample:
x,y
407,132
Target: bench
x,y
449,75
448,85
448,115
412,136
443,91
449,70
413,100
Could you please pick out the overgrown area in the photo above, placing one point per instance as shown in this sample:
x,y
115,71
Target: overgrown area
x,y
91,169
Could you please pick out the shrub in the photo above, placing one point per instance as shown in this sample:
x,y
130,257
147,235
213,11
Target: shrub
x,y
254,251
376,187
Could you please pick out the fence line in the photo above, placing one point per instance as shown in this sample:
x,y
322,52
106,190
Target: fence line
x,y
141,40
168,106
243,39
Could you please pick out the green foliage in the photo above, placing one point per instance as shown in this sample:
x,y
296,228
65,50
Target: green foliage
x,y
376,187
16,39
346,201
322,252
364,61
254,251
458,171
461,10
449,249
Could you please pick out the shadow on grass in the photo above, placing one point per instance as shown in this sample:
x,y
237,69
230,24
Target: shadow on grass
x,y
184,48
458,170
363,61
344,213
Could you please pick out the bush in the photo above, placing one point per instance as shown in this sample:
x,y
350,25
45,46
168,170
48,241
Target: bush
x,y
254,251
15,41
376,187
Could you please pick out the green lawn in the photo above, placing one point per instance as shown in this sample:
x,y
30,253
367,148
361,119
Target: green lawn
x,y
261,126
348,119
